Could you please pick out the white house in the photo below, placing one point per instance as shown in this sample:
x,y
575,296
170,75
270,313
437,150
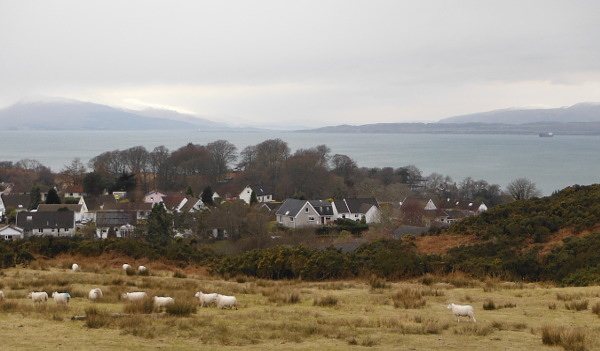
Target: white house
x,y
11,233
262,193
357,208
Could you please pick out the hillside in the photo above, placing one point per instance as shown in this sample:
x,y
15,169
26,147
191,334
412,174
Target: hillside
x,y
76,115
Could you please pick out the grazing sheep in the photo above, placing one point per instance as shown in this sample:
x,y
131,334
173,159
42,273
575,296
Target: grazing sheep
x,y
38,296
206,299
95,294
1,295
142,270
226,301
75,267
160,301
61,298
126,267
462,311
134,296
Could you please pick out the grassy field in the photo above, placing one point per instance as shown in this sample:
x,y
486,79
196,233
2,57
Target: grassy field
x,y
291,315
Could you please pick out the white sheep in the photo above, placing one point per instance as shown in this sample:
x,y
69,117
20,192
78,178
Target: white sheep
x,y
61,298
226,301
134,296
206,299
75,267
1,295
126,267
95,294
462,311
38,296
142,269
161,301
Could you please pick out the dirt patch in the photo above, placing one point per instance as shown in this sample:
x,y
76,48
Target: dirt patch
x,y
440,244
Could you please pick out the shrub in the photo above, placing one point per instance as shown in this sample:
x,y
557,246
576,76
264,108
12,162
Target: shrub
x,y
408,297
571,339
489,305
182,308
179,274
577,305
144,306
326,301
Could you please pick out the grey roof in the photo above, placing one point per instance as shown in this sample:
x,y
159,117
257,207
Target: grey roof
x,y
56,207
324,208
50,220
96,203
261,190
115,218
128,206
291,207
17,201
356,205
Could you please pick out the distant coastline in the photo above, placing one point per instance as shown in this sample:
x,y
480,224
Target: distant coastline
x,y
571,128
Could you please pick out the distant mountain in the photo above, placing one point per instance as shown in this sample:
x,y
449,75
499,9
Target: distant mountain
x,y
200,122
76,115
579,119
582,112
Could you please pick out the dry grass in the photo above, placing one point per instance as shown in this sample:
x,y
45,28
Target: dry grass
x,y
296,315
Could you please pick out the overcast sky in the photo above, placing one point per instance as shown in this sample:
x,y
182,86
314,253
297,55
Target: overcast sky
x,y
303,63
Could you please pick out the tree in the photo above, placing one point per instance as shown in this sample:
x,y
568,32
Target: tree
x,y
522,189
222,153
52,197
343,166
189,191
125,182
94,183
207,196
253,198
73,173
159,230
35,197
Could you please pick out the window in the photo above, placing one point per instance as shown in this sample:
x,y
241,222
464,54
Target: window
x,y
52,230
306,209
279,219
291,219
311,219
40,230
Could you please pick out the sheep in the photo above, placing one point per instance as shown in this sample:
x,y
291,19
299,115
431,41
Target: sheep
x,y
462,311
160,301
38,296
95,294
61,298
206,299
226,301
75,267
142,270
126,267
134,296
1,295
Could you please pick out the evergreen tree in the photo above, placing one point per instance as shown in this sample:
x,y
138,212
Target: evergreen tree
x,y
207,196
52,197
189,191
35,197
160,229
253,198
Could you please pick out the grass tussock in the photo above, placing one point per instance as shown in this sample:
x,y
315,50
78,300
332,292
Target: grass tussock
x,y
596,309
179,274
96,319
378,283
283,296
182,308
571,339
579,305
143,306
489,305
326,301
409,298
474,329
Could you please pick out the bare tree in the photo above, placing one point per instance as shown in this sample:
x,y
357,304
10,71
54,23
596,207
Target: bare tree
x,y
222,153
73,173
522,189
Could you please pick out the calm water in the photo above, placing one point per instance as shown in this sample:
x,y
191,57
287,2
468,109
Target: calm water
x,y
552,163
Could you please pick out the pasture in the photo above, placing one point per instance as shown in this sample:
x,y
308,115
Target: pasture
x,y
294,315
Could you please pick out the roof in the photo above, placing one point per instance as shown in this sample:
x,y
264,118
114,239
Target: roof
x,y
191,202
269,206
74,189
261,190
324,208
50,220
57,207
356,205
114,218
291,207
128,206
460,204
96,203
172,201
17,201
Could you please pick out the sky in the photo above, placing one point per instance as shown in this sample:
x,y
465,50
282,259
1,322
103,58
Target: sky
x,y
289,64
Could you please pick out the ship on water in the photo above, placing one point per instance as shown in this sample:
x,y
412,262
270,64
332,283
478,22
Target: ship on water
x,y
546,135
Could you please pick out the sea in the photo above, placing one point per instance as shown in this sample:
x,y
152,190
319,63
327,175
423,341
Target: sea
x,y
551,163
